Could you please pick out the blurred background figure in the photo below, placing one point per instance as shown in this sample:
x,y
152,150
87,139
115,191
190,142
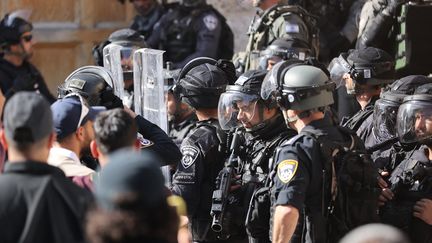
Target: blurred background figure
x,y
16,49
375,233
190,30
132,202
148,14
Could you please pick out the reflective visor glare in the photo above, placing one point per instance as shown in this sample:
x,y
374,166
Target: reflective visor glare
x,y
269,84
337,71
414,121
235,109
384,124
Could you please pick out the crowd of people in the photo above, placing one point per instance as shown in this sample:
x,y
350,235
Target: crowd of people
x,y
319,132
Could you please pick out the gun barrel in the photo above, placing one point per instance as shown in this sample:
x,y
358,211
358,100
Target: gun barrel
x,y
216,225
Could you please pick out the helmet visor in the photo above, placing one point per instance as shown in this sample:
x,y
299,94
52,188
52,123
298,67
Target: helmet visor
x,y
236,109
384,123
414,121
337,68
270,83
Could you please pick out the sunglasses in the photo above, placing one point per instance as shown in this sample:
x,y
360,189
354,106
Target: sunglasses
x,y
27,38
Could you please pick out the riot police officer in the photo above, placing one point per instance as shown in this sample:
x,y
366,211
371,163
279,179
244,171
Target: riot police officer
x,y
364,72
382,141
189,30
181,117
199,85
16,49
283,49
125,42
96,85
148,13
298,192
276,20
411,180
242,106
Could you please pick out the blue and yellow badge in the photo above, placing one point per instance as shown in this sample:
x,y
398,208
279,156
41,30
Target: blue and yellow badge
x,y
286,170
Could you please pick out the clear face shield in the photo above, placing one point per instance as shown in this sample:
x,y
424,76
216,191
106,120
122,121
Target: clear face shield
x,y
414,121
338,68
236,109
270,84
269,58
118,59
385,115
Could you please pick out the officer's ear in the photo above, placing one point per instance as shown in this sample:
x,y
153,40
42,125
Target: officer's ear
x,y
94,149
3,139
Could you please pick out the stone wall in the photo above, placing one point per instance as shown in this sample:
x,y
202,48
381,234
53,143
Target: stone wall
x,y
239,15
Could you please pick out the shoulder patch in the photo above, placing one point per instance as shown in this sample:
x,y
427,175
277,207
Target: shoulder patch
x,y
190,154
144,143
286,170
292,28
211,22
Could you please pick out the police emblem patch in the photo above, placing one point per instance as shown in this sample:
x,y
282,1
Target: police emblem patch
x,y
189,156
144,143
292,28
286,170
210,22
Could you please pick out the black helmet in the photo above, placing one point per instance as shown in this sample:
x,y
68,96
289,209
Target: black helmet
x,y
201,81
414,119
192,3
386,108
243,96
284,49
94,83
371,66
127,37
12,26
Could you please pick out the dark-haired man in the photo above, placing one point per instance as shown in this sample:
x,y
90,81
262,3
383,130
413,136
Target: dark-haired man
x,y
114,129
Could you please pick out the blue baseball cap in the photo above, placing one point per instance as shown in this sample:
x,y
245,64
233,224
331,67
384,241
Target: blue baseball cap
x,y
72,112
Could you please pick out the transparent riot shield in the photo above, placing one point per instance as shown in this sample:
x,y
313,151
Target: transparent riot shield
x,y
112,60
149,91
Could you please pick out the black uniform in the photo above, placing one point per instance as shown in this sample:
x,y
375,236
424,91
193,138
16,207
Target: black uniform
x,y
362,121
186,33
162,144
179,131
144,24
259,149
408,191
298,180
39,204
195,177
33,80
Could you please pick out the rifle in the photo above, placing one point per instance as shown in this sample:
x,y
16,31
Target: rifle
x,y
220,195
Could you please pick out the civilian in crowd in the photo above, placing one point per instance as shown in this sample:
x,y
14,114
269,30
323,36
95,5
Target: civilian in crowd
x,y
132,202
37,202
73,123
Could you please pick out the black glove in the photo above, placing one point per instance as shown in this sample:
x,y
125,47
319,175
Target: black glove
x,y
110,100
